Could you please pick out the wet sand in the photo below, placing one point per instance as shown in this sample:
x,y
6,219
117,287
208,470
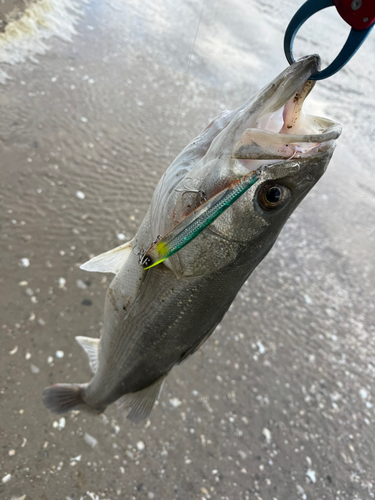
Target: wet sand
x,y
278,404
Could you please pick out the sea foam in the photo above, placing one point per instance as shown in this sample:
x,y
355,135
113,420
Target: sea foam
x,y
27,36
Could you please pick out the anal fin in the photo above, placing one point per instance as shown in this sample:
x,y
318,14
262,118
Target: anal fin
x,y
91,348
140,403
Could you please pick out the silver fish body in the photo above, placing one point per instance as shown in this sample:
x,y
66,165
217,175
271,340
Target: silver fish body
x,y
155,319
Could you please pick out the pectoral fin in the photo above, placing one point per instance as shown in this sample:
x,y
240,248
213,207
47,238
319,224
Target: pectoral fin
x,y
91,348
140,403
109,262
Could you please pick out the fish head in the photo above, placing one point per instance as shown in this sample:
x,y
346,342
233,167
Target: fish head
x,y
270,135
293,150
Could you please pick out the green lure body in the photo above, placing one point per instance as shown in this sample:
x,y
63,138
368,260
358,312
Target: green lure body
x,y
193,224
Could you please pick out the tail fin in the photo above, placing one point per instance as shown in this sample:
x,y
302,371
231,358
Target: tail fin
x,y
61,398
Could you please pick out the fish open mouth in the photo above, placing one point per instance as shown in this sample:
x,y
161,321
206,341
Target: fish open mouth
x,y
286,132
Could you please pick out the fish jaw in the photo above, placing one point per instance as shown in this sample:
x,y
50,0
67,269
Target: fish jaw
x,y
272,126
280,130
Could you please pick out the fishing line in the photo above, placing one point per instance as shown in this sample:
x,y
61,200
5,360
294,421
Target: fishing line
x,y
186,76
179,107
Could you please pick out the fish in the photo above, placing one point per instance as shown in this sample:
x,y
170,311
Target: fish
x,y
157,318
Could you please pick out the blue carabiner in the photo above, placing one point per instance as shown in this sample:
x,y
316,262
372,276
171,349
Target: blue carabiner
x,y
352,44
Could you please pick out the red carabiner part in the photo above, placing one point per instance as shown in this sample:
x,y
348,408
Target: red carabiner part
x,y
359,14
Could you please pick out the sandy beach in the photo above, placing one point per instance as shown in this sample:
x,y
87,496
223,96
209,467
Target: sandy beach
x,y
278,403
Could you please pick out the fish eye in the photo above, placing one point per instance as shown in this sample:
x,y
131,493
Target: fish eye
x,y
272,196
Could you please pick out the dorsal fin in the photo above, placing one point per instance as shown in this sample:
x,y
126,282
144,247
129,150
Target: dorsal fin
x,y
109,262
140,403
91,348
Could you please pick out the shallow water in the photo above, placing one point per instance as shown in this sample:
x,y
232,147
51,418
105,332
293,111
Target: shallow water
x,y
279,402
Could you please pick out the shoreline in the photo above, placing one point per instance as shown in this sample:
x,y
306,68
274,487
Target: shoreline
x,y
11,10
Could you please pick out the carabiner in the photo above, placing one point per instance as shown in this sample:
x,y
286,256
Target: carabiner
x,y
359,14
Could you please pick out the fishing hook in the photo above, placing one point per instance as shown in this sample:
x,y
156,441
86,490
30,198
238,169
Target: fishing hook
x,y
141,254
185,189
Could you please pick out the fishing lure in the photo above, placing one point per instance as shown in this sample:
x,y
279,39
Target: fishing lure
x,y
194,223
